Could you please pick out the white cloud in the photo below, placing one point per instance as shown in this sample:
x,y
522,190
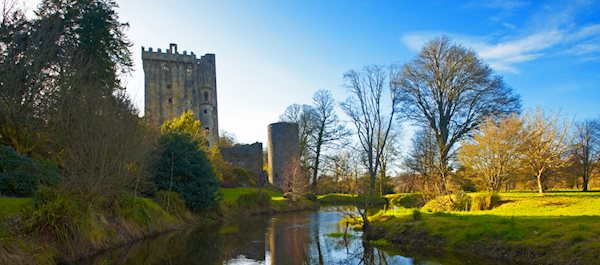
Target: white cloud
x,y
504,53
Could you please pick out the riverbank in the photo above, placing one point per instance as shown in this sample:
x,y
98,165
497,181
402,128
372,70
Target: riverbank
x,y
253,201
557,228
62,228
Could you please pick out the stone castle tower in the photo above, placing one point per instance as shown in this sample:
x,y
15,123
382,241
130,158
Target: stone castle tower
x,y
284,147
176,82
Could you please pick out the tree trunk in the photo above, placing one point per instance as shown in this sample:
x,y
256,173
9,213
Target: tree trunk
x,y
540,184
585,183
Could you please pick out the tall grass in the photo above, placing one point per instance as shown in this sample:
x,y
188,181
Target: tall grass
x,y
58,217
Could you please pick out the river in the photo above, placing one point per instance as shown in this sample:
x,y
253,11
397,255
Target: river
x,y
285,239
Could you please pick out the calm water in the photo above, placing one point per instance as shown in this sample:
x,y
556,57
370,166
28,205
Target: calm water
x,y
288,239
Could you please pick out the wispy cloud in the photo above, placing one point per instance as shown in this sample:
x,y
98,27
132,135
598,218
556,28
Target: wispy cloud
x,y
504,53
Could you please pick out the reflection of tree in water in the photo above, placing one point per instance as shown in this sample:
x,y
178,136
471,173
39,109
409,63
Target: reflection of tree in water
x,y
190,246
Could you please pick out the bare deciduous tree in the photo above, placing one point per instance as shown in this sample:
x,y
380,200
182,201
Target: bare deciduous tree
x,y
366,109
494,152
304,116
295,180
449,89
586,149
328,132
545,145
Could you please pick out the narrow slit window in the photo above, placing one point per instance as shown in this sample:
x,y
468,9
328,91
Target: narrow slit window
x,y
206,96
170,100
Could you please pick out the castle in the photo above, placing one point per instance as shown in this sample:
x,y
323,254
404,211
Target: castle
x,y
176,82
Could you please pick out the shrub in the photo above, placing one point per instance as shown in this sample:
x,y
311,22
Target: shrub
x,y
172,203
484,201
20,176
185,169
454,202
412,200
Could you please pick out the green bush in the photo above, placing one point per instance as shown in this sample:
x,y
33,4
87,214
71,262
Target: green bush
x,y
185,169
484,201
258,201
20,176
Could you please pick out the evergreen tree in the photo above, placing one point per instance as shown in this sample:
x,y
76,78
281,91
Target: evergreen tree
x,y
183,168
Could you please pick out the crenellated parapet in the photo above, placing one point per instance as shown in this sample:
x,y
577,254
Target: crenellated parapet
x,y
173,55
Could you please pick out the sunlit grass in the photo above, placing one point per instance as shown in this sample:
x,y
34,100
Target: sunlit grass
x,y
232,194
563,225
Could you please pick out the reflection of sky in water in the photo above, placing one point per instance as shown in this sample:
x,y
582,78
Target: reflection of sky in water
x,y
286,239
298,233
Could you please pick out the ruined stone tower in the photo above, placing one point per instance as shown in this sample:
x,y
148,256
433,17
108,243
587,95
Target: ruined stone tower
x,y
284,147
176,82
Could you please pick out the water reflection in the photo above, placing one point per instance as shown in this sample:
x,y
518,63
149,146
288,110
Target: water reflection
x,y
298,238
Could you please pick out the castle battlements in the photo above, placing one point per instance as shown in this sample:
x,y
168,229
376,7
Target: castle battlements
x,y
171,54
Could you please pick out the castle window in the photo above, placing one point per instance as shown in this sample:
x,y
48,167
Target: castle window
x,y
205,111
165,67
206,96
168,86
170,100
189,70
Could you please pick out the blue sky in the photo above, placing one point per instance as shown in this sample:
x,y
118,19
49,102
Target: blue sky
x,y
271,54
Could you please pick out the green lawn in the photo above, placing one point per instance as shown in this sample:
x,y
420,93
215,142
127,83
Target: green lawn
x,y
557,227
232,194
349,199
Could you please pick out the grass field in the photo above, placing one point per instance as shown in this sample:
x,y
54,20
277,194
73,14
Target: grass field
x,y
556,228
232,194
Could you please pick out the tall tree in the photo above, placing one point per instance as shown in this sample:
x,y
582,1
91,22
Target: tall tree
x,y
91,43
328,131
450,90
183,168
545,145
586,149
365,108
494,152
